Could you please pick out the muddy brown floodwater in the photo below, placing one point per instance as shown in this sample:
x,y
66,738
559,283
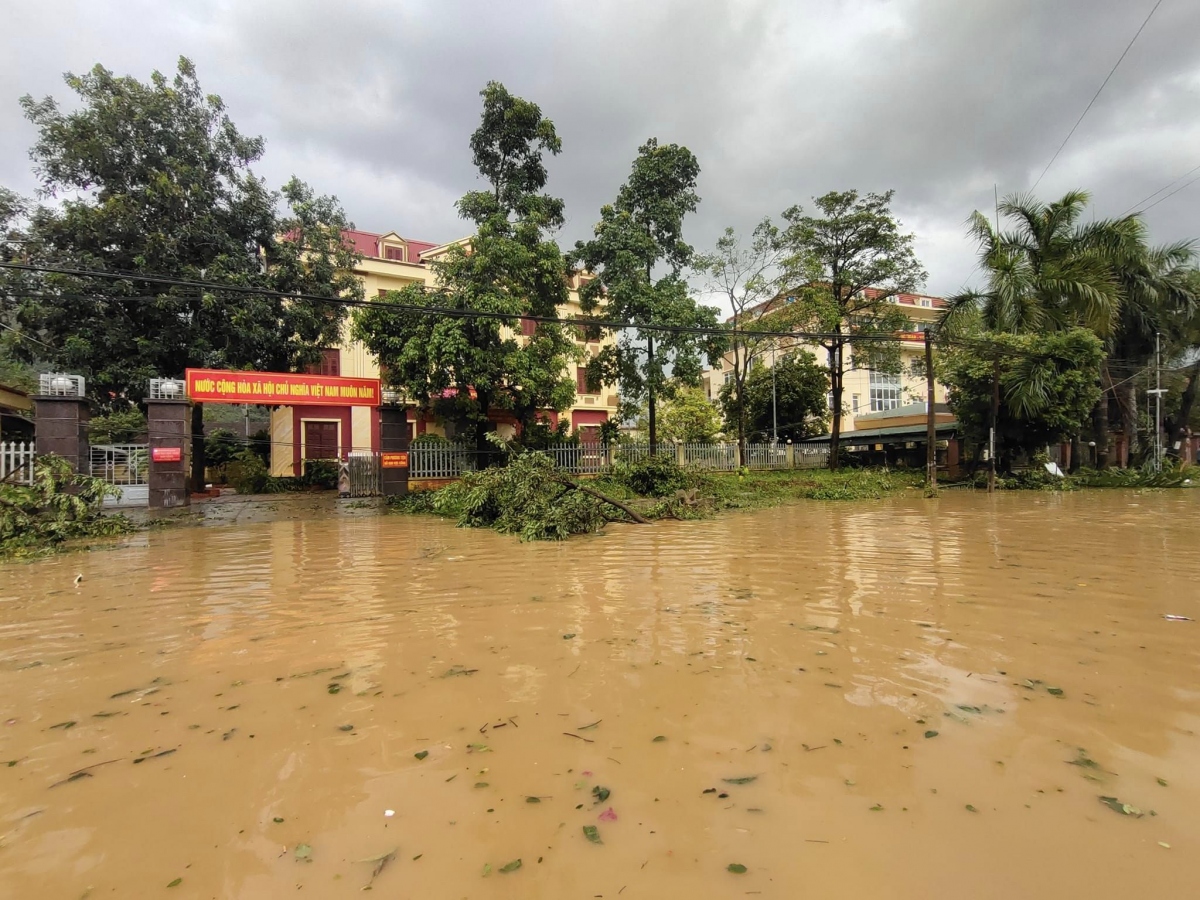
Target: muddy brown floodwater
x,y
906,699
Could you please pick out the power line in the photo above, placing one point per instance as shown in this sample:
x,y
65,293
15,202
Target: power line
x,y
1172,194
448,311
1097,94
1160,190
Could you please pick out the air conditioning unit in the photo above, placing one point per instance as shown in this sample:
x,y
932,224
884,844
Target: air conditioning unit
x,y
167,389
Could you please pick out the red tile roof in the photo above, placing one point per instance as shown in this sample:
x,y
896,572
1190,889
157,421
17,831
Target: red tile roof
x,y
367,243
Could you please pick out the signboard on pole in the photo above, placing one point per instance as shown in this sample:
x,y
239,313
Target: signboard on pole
x,y
166,454
393,460
280,388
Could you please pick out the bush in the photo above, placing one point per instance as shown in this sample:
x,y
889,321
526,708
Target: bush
x,y
247,473
220,446
121,426
320,473
59,506
526,498
428,439
652,476
260,443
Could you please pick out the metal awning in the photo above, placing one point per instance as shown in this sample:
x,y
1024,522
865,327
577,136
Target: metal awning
x,y
895,433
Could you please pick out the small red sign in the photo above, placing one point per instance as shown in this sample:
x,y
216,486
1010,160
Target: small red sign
x,y
394,460
166,454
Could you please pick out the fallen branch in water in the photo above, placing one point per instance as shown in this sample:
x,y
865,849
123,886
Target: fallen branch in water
x,y
571,485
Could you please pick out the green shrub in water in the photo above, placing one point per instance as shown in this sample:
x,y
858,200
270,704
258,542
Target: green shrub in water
x,y
652,476
59,506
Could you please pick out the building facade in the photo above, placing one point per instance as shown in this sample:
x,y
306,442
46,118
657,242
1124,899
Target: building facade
x,y
866,392
391,262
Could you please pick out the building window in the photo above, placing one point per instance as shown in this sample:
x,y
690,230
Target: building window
x,y
854,402
330,364
728,376
885,391
581,384
396,253
528,327
829,401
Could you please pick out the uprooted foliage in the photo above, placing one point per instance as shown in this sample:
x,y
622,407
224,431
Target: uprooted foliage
x,y
529,497
532,498
60,505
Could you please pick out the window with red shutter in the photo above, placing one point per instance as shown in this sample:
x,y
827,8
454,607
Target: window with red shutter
x,y
396,253
581,380
330,364
528,327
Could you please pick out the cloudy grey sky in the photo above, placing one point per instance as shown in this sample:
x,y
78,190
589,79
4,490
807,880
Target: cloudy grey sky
x,y
373,100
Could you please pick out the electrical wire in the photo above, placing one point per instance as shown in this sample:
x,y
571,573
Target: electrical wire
x,y
1172,194
1159,191
1097,94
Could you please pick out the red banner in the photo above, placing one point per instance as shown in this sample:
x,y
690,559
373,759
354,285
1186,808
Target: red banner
x,y
280,388
166,454
393,460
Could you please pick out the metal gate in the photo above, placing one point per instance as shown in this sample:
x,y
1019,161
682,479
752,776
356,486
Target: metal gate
x,y
363,466
126,467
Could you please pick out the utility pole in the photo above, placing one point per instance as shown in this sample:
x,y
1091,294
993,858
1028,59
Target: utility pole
x,y
1157,392
774,408
930,419
995,420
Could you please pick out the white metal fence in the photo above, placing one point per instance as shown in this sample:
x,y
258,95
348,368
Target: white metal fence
x,y
364,470
440,460
16,463
126,467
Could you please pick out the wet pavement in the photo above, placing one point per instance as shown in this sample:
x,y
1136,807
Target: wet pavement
x,y
903,698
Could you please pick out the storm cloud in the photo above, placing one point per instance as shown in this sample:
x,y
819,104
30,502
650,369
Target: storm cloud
x,y
780,100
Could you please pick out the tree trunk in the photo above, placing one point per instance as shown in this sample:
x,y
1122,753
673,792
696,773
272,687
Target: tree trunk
x,y
835,387
1127,404
199,459
739,384
1100,432
1177,429
1076,453
632,513
483,455
650,394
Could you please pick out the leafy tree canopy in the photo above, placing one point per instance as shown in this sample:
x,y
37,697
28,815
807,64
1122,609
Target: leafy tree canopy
x,y
1048,385
638,254
510,266
801,388
688,416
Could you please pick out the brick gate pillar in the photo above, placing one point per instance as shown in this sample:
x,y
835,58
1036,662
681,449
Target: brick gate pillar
x,y
393,451
61,417
170,425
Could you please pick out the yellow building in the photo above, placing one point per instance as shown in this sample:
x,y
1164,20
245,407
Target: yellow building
x,y
865,391
390,262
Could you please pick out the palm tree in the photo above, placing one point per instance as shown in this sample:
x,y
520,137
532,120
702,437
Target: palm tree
x,y
1049,272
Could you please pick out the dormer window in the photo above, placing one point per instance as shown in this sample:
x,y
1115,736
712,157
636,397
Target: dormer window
x,y
395,253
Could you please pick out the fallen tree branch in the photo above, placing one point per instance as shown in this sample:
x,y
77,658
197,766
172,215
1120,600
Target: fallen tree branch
x,y
570,485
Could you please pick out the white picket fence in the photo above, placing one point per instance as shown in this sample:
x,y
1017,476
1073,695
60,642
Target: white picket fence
x,y
16,463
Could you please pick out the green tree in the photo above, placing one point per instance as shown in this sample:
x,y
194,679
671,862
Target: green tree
x,y
750,277
639,233
799,407
466,365
155,178
688,416
1049,383
855,253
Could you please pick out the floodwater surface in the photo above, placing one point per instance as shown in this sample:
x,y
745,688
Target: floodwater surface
x,y
906,699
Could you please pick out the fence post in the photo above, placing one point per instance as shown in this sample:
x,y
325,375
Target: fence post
x,y
61,417
680,454
791,455
170,425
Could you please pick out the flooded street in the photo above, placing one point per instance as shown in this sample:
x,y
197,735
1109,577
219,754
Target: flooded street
x,y
904,698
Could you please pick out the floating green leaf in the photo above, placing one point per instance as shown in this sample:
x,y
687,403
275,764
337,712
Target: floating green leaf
x,y
1056,691
931,734
736,868
478,748
533,799
64,725
511,866
600,793
745,779
1124,809
421,754
277,820
970,808
175,883
592,833
587,727
334,688
487,869
567,637
1162,782
878,807
345,728
658,739
304,852
481,784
